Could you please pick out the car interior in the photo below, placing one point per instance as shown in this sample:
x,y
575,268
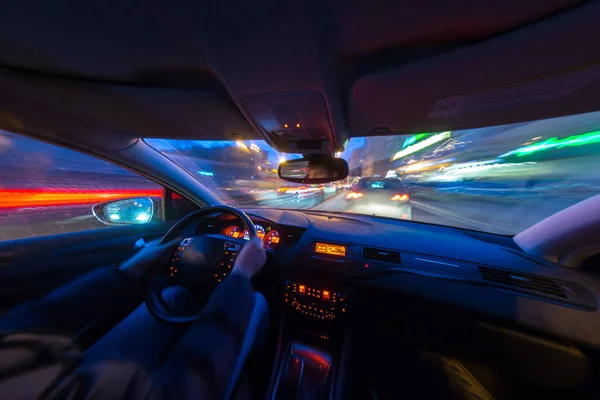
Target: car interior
x,y
361,306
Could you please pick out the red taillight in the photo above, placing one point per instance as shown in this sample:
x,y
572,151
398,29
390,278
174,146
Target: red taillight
x,y
400,197
281,190
354,195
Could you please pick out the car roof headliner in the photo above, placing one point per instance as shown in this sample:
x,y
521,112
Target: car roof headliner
x,y
101,75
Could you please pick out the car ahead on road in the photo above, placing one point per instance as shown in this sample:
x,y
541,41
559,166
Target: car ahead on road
x,y
339,185
330,188
301,196
288,190
379,196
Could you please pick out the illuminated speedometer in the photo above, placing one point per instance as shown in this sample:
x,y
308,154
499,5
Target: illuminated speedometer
x,y
260,232
233,231
272,238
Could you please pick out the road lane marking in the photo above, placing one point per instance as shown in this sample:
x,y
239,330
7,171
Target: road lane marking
x,y
457,217
329,201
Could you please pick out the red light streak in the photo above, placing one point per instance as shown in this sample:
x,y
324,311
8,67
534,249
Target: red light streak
x,y
354,195
400,197
21,198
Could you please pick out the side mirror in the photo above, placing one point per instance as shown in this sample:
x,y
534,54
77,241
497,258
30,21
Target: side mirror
x,y
315,169
139,210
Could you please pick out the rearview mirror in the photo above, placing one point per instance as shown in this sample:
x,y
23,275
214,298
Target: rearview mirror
x,y
125,212
314,169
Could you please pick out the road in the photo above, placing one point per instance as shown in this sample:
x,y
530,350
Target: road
x,y
497,214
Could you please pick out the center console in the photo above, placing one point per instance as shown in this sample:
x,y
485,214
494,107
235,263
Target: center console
x,y
313,341
315,302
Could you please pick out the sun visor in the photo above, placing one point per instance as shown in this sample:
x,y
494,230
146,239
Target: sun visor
x,y
545,70
292,122
131,110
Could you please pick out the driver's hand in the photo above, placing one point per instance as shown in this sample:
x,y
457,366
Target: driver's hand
x,y
251,259
137,265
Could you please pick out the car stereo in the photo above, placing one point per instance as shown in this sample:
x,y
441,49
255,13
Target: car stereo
x,y
315,302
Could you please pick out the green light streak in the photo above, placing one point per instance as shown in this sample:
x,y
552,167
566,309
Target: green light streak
x,y
413,139
421,145
409,140
556,143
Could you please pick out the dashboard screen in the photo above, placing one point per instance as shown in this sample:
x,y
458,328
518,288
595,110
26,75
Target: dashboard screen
x,y
326,248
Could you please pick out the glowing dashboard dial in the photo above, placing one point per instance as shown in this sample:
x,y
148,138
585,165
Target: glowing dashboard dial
x,y
260,232
269,236
233,231
272,238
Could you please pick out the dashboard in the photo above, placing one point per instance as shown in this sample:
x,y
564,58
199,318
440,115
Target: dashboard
x,y
353,256
476,272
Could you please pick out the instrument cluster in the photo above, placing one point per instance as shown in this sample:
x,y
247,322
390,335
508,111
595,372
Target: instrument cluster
x,y
268,234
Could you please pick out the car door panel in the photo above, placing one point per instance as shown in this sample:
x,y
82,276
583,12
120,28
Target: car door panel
x,y
31,267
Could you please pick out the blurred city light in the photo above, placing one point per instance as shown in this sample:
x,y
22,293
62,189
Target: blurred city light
x,y
427,165
483,169
422,144
142,217
254,147
556,143
470,164
413,139
354,195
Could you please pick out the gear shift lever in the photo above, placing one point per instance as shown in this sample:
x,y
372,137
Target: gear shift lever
x,y
290,388
305,374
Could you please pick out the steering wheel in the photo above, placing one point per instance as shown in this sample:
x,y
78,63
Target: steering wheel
x,y
195,259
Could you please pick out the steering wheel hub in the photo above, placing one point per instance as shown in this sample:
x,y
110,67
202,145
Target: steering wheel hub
x,y
199,262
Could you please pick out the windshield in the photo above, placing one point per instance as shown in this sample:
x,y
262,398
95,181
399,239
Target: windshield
x,y
500,179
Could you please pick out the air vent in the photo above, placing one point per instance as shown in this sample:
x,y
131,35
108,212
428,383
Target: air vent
x,y
292,236
522,281
381,255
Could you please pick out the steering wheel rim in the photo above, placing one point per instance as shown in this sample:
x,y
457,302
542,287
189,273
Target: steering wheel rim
x,y
153,296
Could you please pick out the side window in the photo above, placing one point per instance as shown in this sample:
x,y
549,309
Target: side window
x,y
47,189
